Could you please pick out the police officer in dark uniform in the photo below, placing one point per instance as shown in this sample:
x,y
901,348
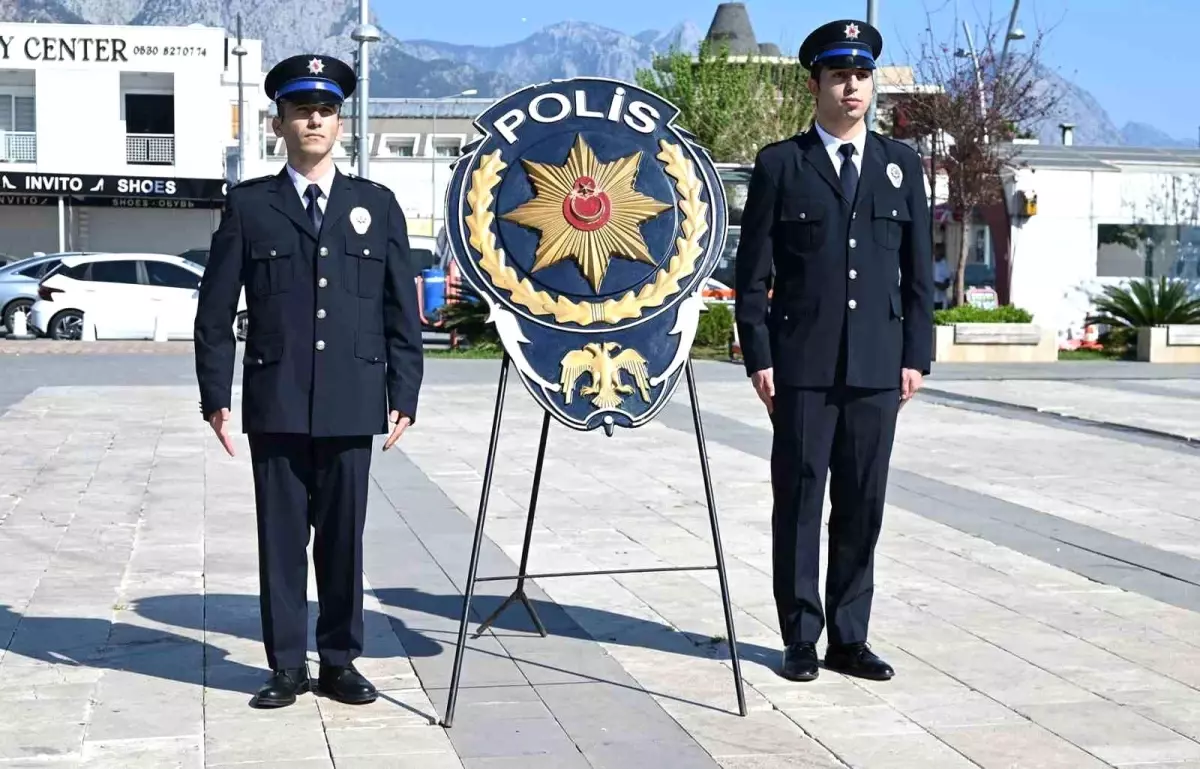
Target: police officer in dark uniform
x,y
333,357
834,309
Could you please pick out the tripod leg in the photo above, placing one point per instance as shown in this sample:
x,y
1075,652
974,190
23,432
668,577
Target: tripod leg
x,y
519,592
710,496
469,588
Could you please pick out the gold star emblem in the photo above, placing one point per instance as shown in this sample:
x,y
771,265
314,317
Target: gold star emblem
x,y
588,211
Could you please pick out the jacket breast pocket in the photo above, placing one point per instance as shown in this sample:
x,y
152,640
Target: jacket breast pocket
x,y
364,266
272,268
802,223
890,215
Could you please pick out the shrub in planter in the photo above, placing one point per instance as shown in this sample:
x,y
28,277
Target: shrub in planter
x,y
715,328
966,313
1145,302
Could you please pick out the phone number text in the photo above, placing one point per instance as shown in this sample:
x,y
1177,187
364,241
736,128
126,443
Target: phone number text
x,y
169,50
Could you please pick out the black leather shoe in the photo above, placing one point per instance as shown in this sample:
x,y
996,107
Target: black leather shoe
x,y
281,688
858,660
345,684
800,662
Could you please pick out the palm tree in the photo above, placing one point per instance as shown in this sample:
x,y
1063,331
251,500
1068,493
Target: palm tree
x,y
1144,303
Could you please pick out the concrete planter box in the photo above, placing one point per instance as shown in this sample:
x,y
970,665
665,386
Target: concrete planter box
x,y
994,343
1169,344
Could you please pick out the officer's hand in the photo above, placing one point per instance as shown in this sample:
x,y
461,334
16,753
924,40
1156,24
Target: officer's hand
x,y
220,425
910,381
764,385
398,424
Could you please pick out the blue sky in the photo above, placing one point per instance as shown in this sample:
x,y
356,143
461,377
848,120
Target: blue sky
x,y
1118,49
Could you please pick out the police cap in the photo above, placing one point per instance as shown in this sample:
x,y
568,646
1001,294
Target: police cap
x,y
842,44
311,79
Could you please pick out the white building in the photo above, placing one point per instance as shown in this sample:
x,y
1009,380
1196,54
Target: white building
x,y
1103,215
117,137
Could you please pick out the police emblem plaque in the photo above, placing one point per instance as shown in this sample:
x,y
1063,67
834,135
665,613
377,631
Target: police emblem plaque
x,y
589,223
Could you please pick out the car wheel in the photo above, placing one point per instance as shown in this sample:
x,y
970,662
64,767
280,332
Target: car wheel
x,y
241,325
68,324
11,310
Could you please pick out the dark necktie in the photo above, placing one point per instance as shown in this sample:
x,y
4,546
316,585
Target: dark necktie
x,y
314,213
849,173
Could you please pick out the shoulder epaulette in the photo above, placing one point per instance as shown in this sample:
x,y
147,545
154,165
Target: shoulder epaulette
x,y
372,182
249,182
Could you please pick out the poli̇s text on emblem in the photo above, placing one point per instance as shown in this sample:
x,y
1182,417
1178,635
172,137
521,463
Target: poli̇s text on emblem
x,y
589,224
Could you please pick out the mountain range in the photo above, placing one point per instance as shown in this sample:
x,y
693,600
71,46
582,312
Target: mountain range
x,y
416,68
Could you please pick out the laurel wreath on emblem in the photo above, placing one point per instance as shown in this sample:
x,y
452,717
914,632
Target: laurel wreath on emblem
x,y
479,197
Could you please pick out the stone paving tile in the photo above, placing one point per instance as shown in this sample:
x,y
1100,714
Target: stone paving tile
x,y
1003,660
1175,415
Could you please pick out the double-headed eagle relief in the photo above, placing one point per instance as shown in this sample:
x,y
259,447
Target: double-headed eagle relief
x,y
589,224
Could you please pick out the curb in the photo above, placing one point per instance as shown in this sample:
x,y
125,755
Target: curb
x,y
954,400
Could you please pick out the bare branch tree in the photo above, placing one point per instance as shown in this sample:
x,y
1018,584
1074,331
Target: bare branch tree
x,y
980,104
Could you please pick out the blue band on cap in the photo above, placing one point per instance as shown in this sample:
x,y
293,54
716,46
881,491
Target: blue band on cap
x,y
844,52
310,84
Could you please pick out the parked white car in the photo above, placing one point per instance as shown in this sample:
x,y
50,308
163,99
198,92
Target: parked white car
x,y
122,296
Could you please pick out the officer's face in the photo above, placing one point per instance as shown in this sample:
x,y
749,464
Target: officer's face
x,y
309,128
843,93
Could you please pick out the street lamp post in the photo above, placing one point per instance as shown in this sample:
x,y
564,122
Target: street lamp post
x,y
240,52
433,158
873,20
364,33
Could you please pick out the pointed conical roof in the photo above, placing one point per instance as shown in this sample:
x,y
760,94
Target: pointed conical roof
x,y
731,27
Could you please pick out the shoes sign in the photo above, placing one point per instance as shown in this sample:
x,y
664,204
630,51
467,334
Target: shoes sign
x,y
21,188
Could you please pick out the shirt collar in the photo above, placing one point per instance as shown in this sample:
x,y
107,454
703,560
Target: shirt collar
x,y
832,142
300,182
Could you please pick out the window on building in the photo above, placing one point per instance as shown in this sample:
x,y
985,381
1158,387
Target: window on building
x,y
18,113
233,121
1148,250
150,113
165,275
122,271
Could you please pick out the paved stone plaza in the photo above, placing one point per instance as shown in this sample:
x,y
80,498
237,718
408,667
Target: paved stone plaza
x,y
1038,583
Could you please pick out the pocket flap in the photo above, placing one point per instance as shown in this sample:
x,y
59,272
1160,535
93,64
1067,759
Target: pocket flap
x,y
891,205
800,208
262,349
362,247
369,346
897,310
270,250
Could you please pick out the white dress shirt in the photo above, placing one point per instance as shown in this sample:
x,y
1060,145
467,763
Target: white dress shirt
x,y
832,143
301,184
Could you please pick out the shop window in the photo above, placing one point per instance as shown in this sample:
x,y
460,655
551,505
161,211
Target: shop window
x,y
1148,250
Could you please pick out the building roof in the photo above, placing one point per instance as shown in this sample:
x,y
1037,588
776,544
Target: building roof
x,y
1084,158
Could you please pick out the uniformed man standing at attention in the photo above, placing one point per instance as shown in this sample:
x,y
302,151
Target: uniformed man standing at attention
x,y
333,357
838,214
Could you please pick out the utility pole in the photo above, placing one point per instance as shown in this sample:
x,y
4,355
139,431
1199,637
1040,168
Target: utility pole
x,y
364,33
873,20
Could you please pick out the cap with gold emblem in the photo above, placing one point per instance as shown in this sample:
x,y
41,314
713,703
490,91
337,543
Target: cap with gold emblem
x,y
311,79
841,44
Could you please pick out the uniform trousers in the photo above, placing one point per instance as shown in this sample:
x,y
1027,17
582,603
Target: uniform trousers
x,y
844,433
302,483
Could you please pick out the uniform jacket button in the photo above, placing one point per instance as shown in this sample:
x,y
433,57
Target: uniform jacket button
x,y
366,252
853,274
852,304
272,252
320,314
322,283
325,251
320,345
853,242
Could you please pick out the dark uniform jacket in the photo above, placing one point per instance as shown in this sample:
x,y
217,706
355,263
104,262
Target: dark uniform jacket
x,y
334,337
856,273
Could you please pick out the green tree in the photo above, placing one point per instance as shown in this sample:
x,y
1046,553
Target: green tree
x,y
732,104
